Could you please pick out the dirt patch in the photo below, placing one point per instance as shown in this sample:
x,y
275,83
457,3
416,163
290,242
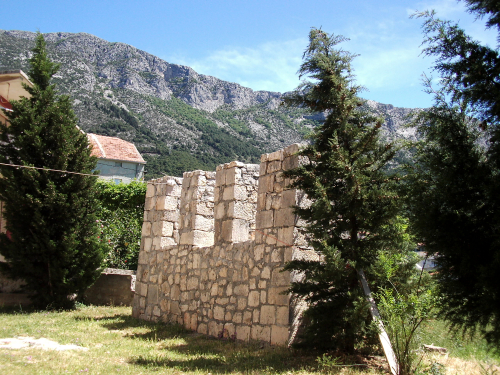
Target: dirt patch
x,y
41,343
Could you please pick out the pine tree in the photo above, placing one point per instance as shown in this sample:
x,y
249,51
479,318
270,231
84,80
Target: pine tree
x,y
354,202
52,245
455,184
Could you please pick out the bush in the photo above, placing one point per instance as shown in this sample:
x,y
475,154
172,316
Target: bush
x,y
120,215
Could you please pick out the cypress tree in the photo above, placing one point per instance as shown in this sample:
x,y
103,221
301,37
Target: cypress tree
x,y
353,201
52,243
455,183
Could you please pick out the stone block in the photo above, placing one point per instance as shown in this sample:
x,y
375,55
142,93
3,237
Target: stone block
x,y
167,241
219,313
253,298
232,174
153,294
277,155
265,273
166,228
277,296
220,176
264,219
240,230
290,162
202,328
286,236
156,311
204,208
280,278
279,335
261,333
203,223
247,317
282,315
289,198
284,218
274,166
229,330
174,308
237,317
192,283
241,290
258,252
149,204
267,315
147,242
220,211
186,238
262,168
256,316
150,190
243,333
203,239
266,183
242,303
277,255
242,210
228,193
146,229
213,328
175,292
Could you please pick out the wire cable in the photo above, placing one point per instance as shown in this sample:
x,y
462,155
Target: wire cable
x,y
49,169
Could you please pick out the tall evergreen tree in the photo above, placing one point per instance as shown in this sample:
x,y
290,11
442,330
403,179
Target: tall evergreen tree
x,y
353,201
52,244
455,186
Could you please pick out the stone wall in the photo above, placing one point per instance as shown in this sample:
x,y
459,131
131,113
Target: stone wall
x,y
114,287
213,248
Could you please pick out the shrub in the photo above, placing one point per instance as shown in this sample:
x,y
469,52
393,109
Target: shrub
x,y
120,214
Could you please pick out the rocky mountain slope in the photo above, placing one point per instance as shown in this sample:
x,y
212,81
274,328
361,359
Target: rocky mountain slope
x,y
179,120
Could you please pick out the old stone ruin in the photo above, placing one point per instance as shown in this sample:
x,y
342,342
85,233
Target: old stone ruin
x,y
213,248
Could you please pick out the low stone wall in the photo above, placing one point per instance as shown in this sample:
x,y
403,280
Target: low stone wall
x,y
222,274
114,287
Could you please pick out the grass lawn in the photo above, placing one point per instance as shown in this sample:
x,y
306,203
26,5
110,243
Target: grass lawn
x,y
120,344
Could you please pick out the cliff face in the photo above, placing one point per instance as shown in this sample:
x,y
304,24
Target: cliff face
x,y
179,119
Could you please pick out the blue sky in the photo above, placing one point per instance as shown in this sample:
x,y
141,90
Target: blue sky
x,y
259,43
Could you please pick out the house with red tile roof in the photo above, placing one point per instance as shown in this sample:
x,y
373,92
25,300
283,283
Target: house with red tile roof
x,y
117,160
11,88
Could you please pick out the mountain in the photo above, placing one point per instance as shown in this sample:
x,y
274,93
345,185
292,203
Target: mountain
x,y
178,119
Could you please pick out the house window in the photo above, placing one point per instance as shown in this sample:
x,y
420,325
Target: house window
x,y
118,164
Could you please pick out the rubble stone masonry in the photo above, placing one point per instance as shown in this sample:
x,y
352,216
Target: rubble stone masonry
x,y
213,248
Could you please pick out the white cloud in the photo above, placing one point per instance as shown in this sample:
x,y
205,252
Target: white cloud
x,y
271,66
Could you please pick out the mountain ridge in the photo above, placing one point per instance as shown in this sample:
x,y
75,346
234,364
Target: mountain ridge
x,y
179,119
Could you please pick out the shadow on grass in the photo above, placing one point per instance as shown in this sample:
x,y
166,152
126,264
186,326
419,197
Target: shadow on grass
x,y
194,352
122,322
200,353
18,309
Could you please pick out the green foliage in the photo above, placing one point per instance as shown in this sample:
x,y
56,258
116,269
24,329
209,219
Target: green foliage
x,y
454,196
405,308
53,244
120,216
352,215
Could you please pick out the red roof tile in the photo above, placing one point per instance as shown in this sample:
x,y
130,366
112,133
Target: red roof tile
x,y
5,103
114,149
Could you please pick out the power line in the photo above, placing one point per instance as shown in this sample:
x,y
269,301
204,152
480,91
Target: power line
x,y
48,169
